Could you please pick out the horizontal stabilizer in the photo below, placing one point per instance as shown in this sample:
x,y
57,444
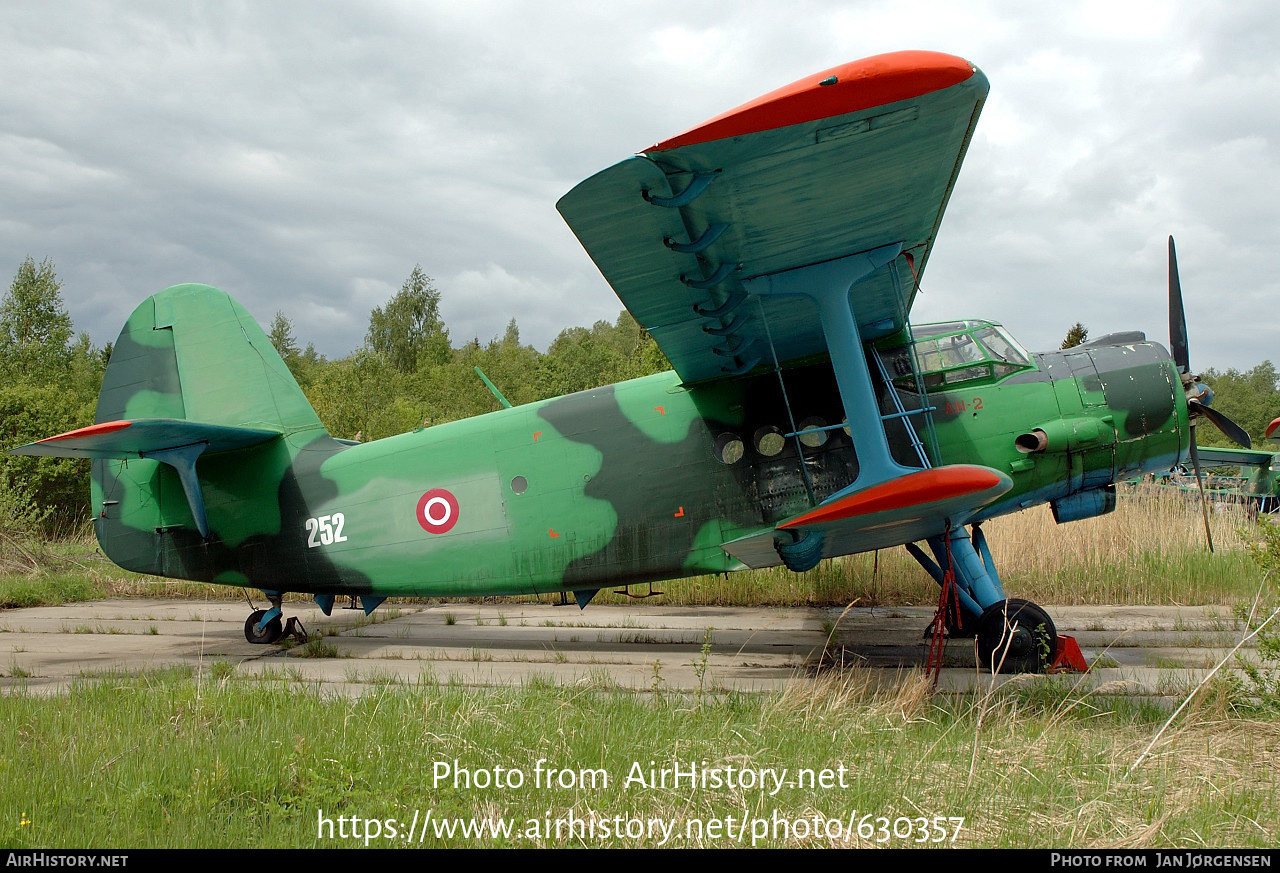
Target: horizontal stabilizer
x,y
143,437
909,508
167,440
1212,456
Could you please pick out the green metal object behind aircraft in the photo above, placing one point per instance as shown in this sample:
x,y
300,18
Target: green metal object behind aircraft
x,y
774,253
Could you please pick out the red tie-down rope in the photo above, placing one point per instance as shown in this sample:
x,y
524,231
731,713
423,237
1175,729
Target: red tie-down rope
x,y
948,608
911,262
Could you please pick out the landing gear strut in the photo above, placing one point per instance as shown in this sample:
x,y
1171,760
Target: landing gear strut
x,y
803,552
1013,635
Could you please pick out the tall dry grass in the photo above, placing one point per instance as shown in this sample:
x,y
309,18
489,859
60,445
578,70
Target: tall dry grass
x,y
1150,550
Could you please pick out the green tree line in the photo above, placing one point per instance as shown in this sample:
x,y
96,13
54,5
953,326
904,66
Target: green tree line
x,y
408,373
1247,397
49,381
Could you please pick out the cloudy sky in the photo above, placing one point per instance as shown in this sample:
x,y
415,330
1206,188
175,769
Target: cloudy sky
x,y
305,156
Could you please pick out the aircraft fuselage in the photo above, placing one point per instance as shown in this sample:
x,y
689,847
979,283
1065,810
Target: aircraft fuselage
x,y
634,482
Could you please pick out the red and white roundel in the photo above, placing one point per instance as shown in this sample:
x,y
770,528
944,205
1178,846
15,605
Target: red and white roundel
x,y
437,511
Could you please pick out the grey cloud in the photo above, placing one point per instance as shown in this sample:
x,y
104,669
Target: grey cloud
x,y
306,156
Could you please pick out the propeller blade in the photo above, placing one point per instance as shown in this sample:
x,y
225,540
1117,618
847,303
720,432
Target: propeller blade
x,y
1204,505
1177,317
1233,431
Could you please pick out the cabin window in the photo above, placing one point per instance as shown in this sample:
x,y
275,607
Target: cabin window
x,y
968,374
1001,346
817,437
769,441
729,448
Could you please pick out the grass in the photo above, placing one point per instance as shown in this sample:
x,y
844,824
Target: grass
x,y
177,759
16,672
316,646
161,760
18,591
221,670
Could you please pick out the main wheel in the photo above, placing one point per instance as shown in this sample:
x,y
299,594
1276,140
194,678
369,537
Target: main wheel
x,y
268,634
1016,636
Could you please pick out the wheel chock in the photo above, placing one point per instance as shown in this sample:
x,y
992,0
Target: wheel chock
x,y
293,628
1068,658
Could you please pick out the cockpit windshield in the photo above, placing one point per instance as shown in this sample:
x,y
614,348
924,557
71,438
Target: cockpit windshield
x,y
956,352
1001,346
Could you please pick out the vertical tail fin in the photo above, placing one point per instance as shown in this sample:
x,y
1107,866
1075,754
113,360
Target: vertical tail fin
x,y
191,352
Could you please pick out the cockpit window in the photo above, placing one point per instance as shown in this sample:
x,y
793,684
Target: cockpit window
x,y
949,351
924,331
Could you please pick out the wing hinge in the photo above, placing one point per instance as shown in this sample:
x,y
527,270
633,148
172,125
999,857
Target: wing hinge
x,y
700,182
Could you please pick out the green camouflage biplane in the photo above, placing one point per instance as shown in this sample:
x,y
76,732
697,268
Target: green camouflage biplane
x,y
774,253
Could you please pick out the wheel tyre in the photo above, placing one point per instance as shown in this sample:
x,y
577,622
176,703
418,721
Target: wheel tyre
x,y
268,634
803,555
966,628
1016,636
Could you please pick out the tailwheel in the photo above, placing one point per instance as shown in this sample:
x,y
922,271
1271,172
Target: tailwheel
x,y
267,633
1016,636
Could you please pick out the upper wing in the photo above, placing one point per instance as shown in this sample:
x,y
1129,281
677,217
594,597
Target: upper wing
x,y
847,161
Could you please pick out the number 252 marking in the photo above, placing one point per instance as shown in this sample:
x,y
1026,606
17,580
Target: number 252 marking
x,y
326,530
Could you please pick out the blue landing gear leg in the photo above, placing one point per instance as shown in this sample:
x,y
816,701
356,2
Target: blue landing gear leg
x,y
977,584
1013,635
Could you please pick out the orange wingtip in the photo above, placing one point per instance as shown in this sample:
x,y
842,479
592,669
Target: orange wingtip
x,y
914,489
858,85
1271,428
90,431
